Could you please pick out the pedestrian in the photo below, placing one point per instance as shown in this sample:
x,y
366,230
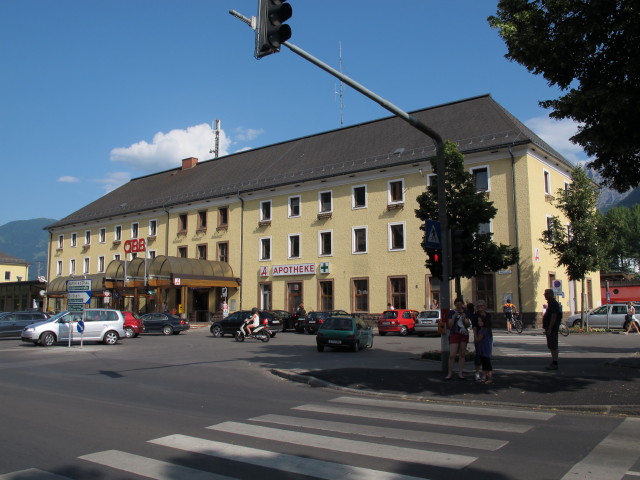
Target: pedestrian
x,y
300,311
509,309
390,307
458,325
484,347
551,326
480,314
631,318
435,305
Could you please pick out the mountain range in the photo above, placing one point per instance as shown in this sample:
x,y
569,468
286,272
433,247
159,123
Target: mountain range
x,y
26,240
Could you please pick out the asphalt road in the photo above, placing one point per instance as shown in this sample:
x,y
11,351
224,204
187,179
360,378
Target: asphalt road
x,y
192,406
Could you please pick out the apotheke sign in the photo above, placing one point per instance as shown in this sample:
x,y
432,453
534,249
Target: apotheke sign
x,y
299,269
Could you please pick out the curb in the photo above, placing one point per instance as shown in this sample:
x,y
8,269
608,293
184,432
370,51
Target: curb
x,y
626,410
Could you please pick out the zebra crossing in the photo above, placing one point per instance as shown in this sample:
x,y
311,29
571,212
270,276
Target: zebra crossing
x,y
338,426
514,345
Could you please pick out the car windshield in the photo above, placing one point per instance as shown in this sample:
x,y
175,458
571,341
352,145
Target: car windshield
x,y
431,314
336,323
390,314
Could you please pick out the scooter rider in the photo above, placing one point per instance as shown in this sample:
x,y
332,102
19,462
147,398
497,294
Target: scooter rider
x,y
253,322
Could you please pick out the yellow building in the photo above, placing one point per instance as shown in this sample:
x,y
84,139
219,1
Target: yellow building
x,y
327,219
13,269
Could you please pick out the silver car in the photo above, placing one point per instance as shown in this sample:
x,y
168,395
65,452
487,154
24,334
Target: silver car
x,y
607,316
427,322
100,325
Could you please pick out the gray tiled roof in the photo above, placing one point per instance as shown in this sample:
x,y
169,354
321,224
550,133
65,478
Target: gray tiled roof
x,y
476,124
7,259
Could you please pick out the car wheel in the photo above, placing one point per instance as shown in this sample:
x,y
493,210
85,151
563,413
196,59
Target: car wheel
x,y
167,330
404,331
577,324
272,334
356,346
382,334
47,339
320,348
110,338
217,331
130,332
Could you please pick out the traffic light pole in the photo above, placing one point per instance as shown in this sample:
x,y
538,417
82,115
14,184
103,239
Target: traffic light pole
x,y
445,296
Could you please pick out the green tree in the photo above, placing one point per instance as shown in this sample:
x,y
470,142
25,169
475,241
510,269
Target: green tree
x,y
619,232
467,210
591,51
576,246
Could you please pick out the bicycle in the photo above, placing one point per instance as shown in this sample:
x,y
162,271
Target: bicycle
x,y
516,322
564,329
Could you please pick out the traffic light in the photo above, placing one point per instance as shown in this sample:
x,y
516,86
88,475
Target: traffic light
x,y
434,262
457,252
271,32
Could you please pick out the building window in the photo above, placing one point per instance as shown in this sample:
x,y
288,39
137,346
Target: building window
x,y
432,180
202,252
85,265
223,252
265,211
265,296
153,228
326,294
547,182
294,207
396,236
134,230
7,276
398,292
117,234
116,257
59,268
182,252
360,294
182,223
223,217
325,243
60,241
359,240
152,254
359,197
324,202
485,290
72,266
294,246
481,178
265,248
74,239
484,228
100,264
202,220
87,237
396,192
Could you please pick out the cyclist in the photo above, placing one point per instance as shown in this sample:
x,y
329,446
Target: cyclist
x,y
509,309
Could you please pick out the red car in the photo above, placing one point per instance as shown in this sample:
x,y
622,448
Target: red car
x,y
397,321
133,325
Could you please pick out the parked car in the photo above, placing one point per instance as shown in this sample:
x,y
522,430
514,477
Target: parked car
x,y
286,319
427,322
344,332
100,325
616,313
164,323
133,324
12,323
314,320
399,321
232,323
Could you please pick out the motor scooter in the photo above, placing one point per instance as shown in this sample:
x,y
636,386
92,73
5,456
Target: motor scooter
x,y
261,332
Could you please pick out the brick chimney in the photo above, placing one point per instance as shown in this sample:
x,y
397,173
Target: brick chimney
x,y
189,163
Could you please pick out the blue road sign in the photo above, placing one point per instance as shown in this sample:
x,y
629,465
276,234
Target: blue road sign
x,y
80,326
433,234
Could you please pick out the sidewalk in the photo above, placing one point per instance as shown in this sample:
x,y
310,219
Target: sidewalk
x,y
597,385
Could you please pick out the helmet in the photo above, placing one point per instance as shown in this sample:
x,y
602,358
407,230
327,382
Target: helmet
x,y
254,310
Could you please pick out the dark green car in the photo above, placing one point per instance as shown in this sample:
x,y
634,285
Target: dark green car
x,y
344,332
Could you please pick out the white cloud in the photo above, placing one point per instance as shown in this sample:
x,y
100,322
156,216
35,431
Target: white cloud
x,y
557,134
168,149
113,180
243,134
68,179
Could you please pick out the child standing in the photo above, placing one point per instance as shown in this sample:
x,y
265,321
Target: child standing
x,y
485,346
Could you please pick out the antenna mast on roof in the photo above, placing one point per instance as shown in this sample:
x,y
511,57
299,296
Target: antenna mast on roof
x,y
215,126
339,91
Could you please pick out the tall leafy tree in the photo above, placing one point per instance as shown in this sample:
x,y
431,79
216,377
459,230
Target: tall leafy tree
x,y
468,209
576,246
591,51
619,232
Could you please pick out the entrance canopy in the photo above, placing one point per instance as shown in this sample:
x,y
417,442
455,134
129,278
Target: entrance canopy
x,y
58,286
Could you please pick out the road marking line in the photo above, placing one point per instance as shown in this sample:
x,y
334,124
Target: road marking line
x,y
479,443
389,452
32,474
277,461
436,407
149,467
414,418
612,457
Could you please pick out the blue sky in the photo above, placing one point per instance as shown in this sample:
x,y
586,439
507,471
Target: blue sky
x,y
93,93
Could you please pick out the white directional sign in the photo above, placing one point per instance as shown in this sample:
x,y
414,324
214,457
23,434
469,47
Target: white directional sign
x,y
78,297
78,285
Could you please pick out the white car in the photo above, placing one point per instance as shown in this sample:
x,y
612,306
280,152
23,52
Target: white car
x,y
427,322
100,325
606,316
